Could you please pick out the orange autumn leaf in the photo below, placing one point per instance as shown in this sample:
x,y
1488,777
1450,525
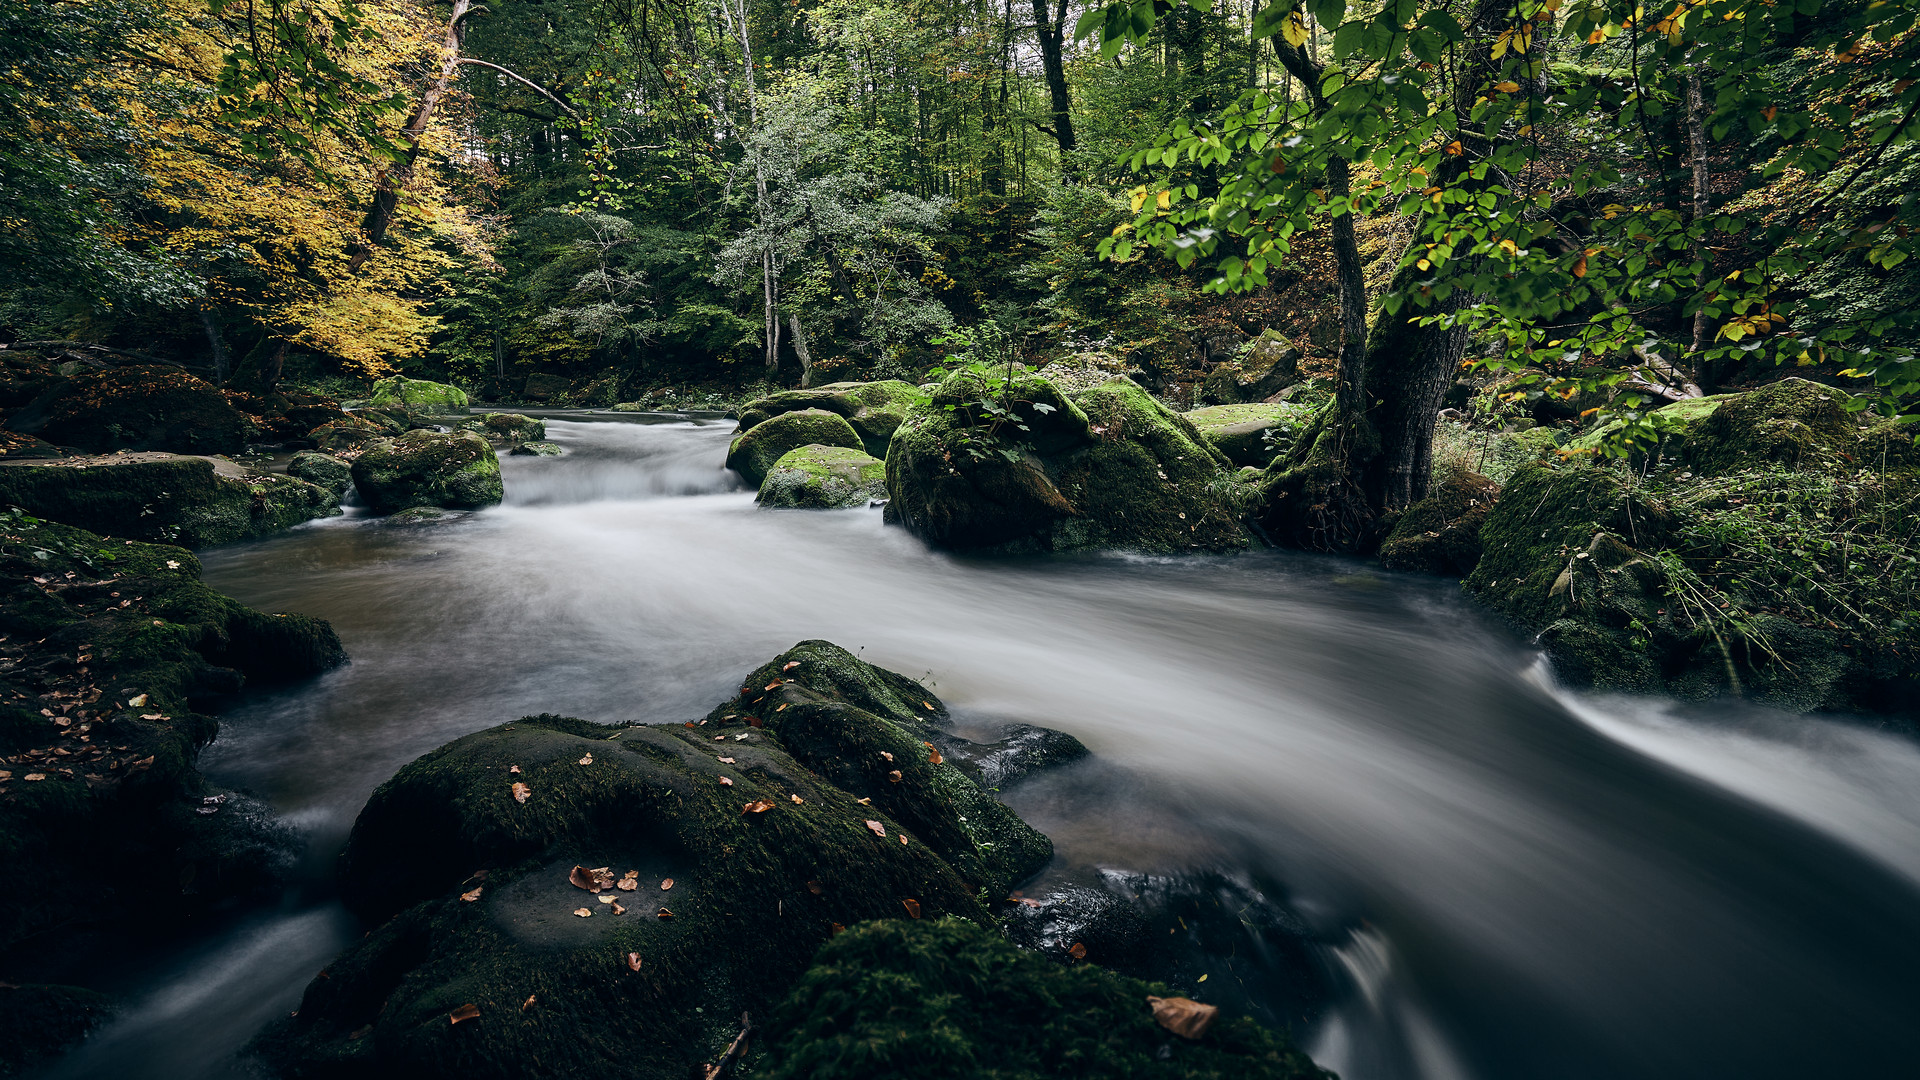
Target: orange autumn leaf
x,y
1580,267
1184,1017
797,800
912,906
470,897
933,754
633,961
527,1004
667,884
520,792
724,782
663,913
588,760
1455,148
774,685
757,806
597,879
1078,952
728,761
790,665
585,913
754,721
468,1011
876,828
894,776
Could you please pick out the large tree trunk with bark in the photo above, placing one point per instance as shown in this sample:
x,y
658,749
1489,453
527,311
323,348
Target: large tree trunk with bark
x,y
1051,30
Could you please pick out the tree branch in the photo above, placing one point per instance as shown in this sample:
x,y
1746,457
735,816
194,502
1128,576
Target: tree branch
x,y
523,80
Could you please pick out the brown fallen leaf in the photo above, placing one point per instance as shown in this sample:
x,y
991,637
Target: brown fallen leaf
x,y
588,760
894,776
719,738
754,721
470,897
724,782
667,884
797,800
790,665
627,884
527,1004
933,754
35,776
137,701
877,828
663,913
903,841
618,910
598,879
606,898
520,792
816,888
912,906
886,755
583,912
757,806
633,961
513,770
927,705
1078,952
865,802
774,685
728,761
468,1011
838,929
1184,1017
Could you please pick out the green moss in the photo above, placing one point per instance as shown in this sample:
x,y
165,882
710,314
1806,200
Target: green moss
x,y
874,409
1793,422
1250,435
756,449
321,470
348,433
426,468
509,427
1269,366
1149,481
419,395
946,999
1496,455
538,449
136,407
753,895
1675,422
176,500
824,478
1441,533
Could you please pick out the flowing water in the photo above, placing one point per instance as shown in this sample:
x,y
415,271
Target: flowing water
x,y
1497,878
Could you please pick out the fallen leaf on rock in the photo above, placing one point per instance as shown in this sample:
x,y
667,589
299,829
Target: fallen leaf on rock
x,y
865,802
757,806
724,782
598,879
743,735
667,884
527,1004
470,896
838,929
663,913
466,1012
933,754
606,898
627,884
894,776
779,708
588,760
903,841
520,792
816,888
1184,1017
754,721
1078,952
583,912
927,705
633,961
35,776
689,723
728,761
719,738
513,770
886,755
790,665
618,910
138,701
797,800
912,906
155,716
774,685
877,828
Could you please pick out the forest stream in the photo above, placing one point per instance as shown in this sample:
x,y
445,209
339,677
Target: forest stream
x,y
1494,877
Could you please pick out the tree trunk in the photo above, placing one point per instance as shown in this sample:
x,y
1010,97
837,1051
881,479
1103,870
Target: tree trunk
x,y
1051,30
1702,208
216,343
800,349
386,188
275,367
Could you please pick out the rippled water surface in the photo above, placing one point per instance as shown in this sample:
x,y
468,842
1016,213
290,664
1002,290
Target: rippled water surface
x,y
1501,879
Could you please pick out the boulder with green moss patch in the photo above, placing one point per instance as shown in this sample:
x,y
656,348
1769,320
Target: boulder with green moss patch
x,y
873,409
1250,435
419,395
1270,365
508,429
193,501
347,433
1675,423
754,452
321,470
1440,534
947,1000
457,470
136,407
1108,466
540,448
1775,560
824,478
749,836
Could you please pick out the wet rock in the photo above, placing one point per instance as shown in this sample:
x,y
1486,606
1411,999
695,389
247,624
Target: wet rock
x,y
419,395
415,516
457,470
136,407
873,409
905,999
321,470
1440,534
756,450
1021,750
538,449
120,644
1110,931
1250,435
1270,366
347,433
193,501
510,429
1109,466
816,477
469,884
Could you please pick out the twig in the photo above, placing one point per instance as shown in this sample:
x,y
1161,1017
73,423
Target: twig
x,y
734,1049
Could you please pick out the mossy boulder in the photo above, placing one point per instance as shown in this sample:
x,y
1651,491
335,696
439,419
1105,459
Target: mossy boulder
x,y
509,429
1775,561
192,501
873,409
754,451
948,1000
347,433
322,470
1270,365
112,650
470,884
284,417
1675,422
824,478
1250,435
1108,466
419,395
538,449
136,407
457,470
1440,534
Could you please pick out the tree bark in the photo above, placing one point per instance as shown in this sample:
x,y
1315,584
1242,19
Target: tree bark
x,y
1702,208
216,344
800,348
1051,30
386,188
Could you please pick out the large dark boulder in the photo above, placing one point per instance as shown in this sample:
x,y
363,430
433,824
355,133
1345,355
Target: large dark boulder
x,y
324,471
755,450
176,499
809,802
457,470
1023,466
1269,366
136,407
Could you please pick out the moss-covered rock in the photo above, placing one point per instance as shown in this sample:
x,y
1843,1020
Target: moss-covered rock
x,y
824,478
109,649
1675,422
1776,561
756,449
136,407
1440,534
347,433
874,409
1250,435
193,501
427,468
538,449
1269,366
1111,467
947,999
321,470
510,429
748,815
419,395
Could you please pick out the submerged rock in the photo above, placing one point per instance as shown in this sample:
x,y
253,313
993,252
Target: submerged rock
x,y
754,452
1250,435
193,501
321,470
418,395
873,409
1774,560
817,477
1109,466
136,407
948,998
457,470
746,840
538,449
